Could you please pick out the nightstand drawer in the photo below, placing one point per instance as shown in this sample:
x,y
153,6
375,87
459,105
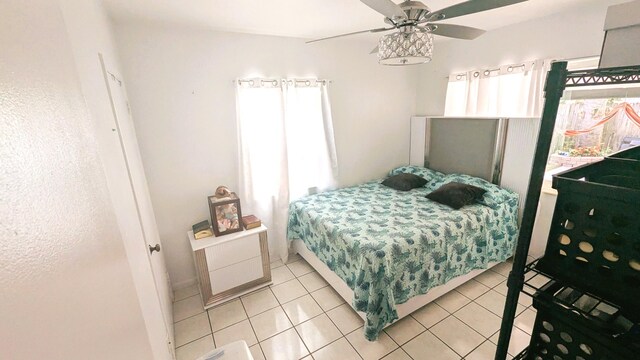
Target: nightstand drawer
x,y
235,275
232,252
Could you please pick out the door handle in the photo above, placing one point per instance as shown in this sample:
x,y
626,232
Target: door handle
x,y
154,248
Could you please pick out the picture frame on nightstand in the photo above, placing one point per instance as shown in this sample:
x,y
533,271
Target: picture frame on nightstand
x,y
226,214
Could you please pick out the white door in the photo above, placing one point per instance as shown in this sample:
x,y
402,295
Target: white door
x,y
136,220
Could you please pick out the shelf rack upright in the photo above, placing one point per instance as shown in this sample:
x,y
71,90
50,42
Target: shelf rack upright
x,y
558,79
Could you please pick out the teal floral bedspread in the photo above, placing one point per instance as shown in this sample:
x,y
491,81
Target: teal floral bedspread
x,y
389,245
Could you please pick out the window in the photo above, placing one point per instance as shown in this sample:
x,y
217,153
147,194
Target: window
x,y
513,90
286,148
593,122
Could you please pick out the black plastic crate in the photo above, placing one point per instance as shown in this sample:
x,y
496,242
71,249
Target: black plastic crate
x,y
631,153
594,240
594,316
523,355
603,317
560,337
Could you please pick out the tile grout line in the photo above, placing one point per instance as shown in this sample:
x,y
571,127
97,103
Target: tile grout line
x,y
334,324
405,351
192,341
251,324
178,300
447,345
232,324
211,328
188,317
323,313
329,317
410,339
426,329
297,277
394,341
305,344
362,327
261,312
198,294
277,267
296,298
336,340
451,314
484,292
469,325
247,315
294,326
294,274
498,315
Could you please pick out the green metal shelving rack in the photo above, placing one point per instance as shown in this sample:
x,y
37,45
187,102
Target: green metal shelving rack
x,y
558,79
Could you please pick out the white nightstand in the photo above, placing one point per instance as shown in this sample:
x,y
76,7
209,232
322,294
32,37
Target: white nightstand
x,y
229,266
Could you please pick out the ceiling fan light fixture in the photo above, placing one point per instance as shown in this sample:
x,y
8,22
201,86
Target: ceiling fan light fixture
x,y
405,48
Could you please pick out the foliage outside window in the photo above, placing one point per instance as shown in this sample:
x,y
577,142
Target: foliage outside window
x,y
578,114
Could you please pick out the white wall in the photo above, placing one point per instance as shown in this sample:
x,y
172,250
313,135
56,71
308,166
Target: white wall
x,y
574,34
623,28
183,103
67,287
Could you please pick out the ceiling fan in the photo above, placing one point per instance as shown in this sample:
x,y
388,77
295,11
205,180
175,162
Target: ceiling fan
x,y
415,23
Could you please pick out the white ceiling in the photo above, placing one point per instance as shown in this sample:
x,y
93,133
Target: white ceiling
x,y
314,18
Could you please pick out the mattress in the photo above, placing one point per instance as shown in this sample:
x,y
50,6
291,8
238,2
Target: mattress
x,y
389,245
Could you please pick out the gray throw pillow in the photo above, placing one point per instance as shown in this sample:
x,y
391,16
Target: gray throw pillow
x,y
404,182
457,195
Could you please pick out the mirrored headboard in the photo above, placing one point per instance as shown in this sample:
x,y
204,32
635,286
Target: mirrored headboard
x,y
465,145
499,150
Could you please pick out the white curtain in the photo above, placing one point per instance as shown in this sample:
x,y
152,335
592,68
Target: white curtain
x,y
312,158
510,90
286,149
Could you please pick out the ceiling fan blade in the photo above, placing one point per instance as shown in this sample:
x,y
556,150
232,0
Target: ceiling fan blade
x,y
456,31
352,33
469,7
374,51
387,8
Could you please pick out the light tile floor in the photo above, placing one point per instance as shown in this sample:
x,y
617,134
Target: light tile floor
x,y
301,317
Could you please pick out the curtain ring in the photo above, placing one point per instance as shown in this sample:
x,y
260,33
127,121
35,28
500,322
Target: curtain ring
x,y
251,82
308,83
510,69
487,72
476,74
275,82
458,77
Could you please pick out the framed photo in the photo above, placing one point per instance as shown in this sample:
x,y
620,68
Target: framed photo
x,y
225,214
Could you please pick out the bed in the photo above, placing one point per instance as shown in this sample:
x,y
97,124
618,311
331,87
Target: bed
x,y
389,252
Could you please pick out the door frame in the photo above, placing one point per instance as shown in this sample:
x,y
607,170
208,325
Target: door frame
x,y
159,325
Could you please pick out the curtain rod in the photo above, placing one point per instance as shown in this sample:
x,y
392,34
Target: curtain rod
x,y
487,72
459,76
274,82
